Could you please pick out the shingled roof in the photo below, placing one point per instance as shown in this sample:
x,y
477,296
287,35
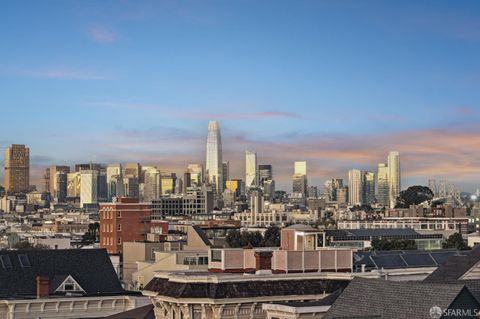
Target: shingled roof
x,y
455,267
374,298
90,268
243,289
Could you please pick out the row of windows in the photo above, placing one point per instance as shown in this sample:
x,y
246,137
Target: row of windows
x,y
109,214
108,228
108,241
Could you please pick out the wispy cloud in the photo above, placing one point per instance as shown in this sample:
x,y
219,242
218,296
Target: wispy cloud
x,y
467,111
65,73
102,34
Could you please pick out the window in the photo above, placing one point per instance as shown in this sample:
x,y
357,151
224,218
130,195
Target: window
x,y
119,240
216,255
6,263
119,227
24,262
119,214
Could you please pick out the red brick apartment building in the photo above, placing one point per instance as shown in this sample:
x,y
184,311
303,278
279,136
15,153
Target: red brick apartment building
x,y
124,220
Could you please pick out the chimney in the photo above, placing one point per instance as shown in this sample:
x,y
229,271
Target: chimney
x,y
263,262
43,286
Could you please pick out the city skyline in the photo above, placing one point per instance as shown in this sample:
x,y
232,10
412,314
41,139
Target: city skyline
x,y
337,84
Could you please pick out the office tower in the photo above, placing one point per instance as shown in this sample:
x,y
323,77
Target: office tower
x,y
235,186
131,187
88,166
213,162
250,169
132,170
300,183
393,177
335,185
355,187
61,182
256,202
46,180
368,188
342,195
265,173
196,174
88,187
312,192
168,183
152,184
382,185
300,167
269,189
102,185
114,181
50,181
73,185
17,168
225,173
187,181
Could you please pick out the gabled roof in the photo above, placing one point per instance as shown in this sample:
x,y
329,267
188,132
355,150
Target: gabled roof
x,y
201,233
455,267
145,312
374,298
91,269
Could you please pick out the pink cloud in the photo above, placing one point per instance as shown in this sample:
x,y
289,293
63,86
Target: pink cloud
x,y
101,34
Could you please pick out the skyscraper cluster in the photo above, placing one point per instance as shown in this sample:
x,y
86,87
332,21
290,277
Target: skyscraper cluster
x,y
92,183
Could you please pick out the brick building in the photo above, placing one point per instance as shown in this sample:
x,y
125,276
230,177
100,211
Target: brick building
x,y
124,220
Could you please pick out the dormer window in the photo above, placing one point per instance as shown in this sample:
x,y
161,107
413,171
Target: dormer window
x,y
69,285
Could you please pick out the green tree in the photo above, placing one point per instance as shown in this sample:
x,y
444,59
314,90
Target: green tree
x,y
271,238
92,235
456,241
413,195
393,244
234,239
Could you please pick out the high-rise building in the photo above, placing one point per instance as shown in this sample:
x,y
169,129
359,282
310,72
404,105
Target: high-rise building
x,y
393,177
225,172
265,173
382,186
235,186
250,169
269,189
131,187
335,185
61,186
73,185
133,170
214,157
88,187
342,195
355,187
168,183
300,184
256,202
196,174
102,185
312,192
50,181
17,168
114,181
300,167
152,183
368,188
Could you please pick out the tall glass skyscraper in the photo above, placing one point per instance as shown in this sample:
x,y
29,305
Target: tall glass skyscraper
x,y
250,169
214,157
393,177
382,185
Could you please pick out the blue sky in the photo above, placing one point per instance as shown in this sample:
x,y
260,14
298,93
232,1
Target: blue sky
x,y
338,83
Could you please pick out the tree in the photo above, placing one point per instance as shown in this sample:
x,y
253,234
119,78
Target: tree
x,y
271,238
92,235
413,195
234,239
456,241
393,244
